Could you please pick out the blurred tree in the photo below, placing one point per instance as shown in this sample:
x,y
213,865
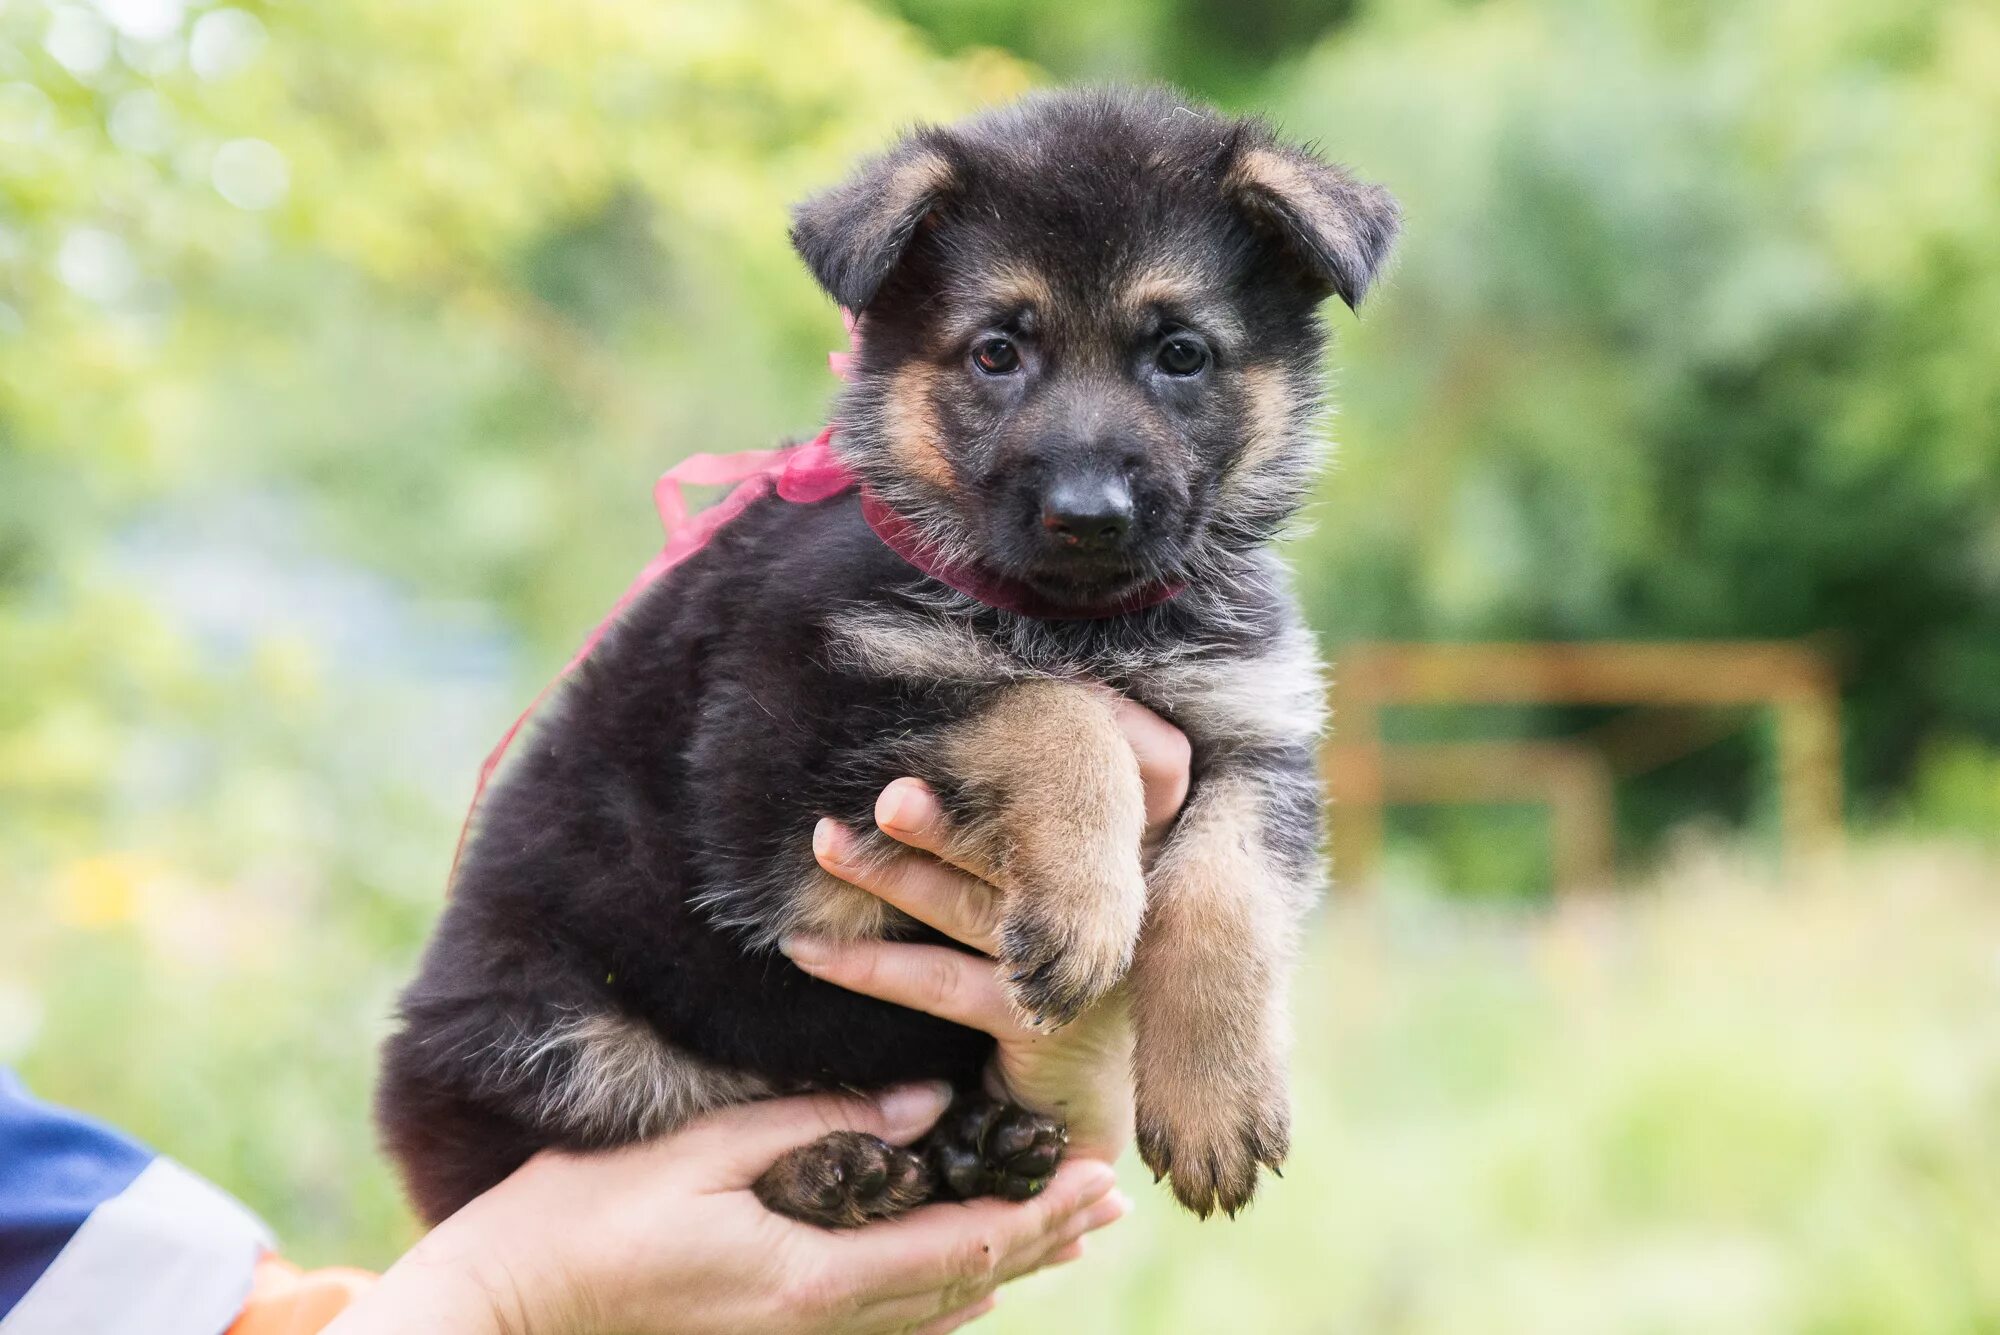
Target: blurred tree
x,y
456,321
1224,52
1693,337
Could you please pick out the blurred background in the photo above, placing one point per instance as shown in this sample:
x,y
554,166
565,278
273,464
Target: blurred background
x,y
340,344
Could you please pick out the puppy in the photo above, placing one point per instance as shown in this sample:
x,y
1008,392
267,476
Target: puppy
x,y
1085,402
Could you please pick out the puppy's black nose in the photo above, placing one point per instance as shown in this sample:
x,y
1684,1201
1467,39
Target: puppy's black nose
x,y
1091,514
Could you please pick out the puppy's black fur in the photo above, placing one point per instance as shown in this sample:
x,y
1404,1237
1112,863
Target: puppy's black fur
x,y
1090,371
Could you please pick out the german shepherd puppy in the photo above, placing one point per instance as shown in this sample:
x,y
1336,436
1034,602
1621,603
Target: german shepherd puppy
x,y
1086,400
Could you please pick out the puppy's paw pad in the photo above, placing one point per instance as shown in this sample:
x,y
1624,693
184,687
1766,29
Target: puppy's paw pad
x,y
844,1180
983,1147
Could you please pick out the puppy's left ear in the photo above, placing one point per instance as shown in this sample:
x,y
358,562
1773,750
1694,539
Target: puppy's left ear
x,y
853,235
1339,228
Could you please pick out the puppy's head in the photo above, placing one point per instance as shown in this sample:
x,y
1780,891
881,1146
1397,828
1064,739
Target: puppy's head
x,y
1090,352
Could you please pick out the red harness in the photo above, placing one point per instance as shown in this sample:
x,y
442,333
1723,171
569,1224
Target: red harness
x,y
801,474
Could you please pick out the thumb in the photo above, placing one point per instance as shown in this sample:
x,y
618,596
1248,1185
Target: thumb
x,y
733,1146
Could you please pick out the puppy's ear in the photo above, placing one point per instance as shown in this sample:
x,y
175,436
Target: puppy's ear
x,y
852,235
1339,228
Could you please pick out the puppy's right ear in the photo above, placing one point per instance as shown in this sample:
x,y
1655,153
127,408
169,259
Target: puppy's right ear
x,y
852,235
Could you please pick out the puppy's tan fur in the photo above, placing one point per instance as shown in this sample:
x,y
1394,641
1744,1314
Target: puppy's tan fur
x,y
890,645
1048,761
911,426
624,1082
1179,287
830,907
1271,419
1208,1003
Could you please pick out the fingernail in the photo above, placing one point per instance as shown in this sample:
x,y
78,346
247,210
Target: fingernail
x,y
898,806
826,838
909,1110
804,951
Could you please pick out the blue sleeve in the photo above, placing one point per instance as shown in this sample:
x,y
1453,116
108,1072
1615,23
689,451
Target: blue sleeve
x,y
56,1167
101,1236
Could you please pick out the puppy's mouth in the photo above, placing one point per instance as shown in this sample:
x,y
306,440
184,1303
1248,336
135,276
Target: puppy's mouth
x,y
1078,575
1085,577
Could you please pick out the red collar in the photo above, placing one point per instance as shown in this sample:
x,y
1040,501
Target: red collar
x,y
989,586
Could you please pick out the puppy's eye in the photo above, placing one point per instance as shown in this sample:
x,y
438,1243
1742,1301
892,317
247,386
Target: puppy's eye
x,y
997,356
1183,355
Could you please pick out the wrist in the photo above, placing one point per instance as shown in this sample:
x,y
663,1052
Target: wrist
x,y
484,1271
431,1292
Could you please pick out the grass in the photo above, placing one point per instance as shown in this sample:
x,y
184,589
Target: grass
x,y
1714,1103
1711,1105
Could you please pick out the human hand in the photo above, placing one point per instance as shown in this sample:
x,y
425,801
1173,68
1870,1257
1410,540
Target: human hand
x,y
1081,1072
665,1238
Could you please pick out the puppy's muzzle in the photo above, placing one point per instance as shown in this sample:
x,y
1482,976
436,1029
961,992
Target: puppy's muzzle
x,y
1087,512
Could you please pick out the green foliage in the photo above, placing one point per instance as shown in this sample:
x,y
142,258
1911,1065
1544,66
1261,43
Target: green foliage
x,y
1957,788
1225,53
1692,338
1720,1107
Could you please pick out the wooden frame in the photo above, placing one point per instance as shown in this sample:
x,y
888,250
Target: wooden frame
x,y
1365,774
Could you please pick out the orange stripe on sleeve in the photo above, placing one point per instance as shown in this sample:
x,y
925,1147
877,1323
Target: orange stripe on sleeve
x,y
285,1300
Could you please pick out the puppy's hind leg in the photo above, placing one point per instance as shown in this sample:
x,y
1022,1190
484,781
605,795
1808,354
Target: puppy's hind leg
x,y
845,1179
980,1147
983,1147
472,1086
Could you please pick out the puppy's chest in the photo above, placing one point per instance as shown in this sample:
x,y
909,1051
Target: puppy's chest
x,y
1266,691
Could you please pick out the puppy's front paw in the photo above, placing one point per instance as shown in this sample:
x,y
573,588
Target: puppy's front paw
x,y
1209,1138
1066,937
1056,808
843,1180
